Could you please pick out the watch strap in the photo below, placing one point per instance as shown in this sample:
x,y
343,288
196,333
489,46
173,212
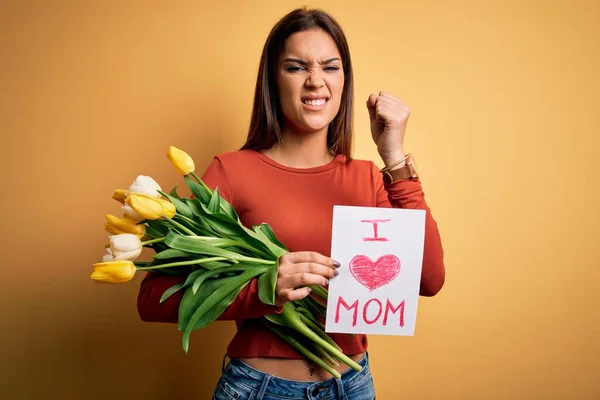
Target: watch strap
x,y
406,172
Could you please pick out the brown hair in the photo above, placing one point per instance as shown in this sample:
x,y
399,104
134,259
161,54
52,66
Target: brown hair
x,y
267,118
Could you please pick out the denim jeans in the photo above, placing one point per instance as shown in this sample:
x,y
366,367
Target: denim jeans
x,y
240,381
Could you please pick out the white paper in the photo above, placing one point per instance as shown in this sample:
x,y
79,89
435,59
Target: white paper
x,y
381,252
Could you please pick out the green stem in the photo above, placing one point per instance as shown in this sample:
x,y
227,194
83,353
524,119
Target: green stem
x,y
254,260
178,225
315,306
157,240
297,324
303,350
327,357
191,221
318,330
308,315
319,291
210,191
180,263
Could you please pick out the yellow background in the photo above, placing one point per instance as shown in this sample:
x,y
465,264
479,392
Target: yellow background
x,y
505,99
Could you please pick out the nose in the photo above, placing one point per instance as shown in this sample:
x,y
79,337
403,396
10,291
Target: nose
x,y
315,79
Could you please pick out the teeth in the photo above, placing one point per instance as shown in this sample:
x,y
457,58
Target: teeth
x,y
317,103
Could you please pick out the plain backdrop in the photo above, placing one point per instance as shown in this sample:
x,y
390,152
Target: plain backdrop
x,y
505,102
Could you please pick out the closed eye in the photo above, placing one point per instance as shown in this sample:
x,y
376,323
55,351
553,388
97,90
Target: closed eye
x,y
294,68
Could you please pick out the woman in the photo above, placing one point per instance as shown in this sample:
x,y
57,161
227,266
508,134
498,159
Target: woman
x,y
294,167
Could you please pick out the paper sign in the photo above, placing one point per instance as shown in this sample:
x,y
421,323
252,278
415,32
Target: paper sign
x,y
381,252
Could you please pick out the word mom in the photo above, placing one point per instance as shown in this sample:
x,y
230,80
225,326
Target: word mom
x,y
371,312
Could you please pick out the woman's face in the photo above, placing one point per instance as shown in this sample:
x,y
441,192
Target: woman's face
x,y
310,78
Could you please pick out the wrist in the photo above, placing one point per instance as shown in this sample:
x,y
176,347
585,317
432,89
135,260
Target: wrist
x,y
389,158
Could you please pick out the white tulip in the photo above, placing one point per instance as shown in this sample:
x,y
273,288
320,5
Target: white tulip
x,y
130,213
125,246
144,184
108,256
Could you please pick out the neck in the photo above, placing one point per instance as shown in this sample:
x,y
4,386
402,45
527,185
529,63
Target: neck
x,y
304,150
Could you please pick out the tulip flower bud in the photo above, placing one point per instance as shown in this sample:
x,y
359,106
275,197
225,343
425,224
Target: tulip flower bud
x,y
120,195
116,226
125,246
145,185
130,213
108,256
181,160
113,271
145,206
169,209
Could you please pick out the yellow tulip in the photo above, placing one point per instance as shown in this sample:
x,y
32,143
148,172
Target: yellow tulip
x,y
169,209
120,195
145,206
181,160
116,226
113,271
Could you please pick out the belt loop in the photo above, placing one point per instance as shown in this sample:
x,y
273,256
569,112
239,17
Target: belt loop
x,y
341,395
223,363
263,387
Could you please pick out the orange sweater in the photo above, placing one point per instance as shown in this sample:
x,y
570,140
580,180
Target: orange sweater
x,y
298,205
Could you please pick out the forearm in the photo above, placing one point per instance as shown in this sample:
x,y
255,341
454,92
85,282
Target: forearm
x,y
409,194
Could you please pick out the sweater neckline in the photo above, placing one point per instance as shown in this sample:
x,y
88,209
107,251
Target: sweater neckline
x,y
337,160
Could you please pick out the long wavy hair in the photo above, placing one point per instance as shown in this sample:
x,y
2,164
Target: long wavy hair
x,y
267,117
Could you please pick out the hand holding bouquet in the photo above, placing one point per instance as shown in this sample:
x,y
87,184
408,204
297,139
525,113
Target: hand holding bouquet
x,y
202,240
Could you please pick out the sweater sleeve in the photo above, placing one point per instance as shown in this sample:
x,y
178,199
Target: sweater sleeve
x,y
247,304
409,194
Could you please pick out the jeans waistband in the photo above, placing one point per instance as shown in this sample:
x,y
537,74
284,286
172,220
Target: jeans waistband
x,y
238,369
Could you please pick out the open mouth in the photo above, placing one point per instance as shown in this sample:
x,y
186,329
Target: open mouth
x,y
315,102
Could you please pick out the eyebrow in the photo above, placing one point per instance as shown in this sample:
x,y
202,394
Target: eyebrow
x,y
303,62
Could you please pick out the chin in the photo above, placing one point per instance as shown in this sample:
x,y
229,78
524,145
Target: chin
x,y
314,128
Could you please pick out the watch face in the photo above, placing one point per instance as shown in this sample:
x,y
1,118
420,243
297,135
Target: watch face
x,y
413,163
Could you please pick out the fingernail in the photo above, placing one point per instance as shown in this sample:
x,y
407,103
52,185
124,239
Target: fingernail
x,y
336,264
326,282
336,272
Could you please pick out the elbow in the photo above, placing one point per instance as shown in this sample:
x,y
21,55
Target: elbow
x,y
143,309
432,285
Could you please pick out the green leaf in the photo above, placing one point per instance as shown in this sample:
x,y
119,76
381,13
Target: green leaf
x,y
215,202
170,253
266,230
216,264
191,245
201,192
156,229
266,285
194,205
211,302
215,272
264,240
188,282
220,223
229,210
181,207
173,192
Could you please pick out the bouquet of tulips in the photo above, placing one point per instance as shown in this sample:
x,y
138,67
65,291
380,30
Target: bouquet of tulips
x,y
203,240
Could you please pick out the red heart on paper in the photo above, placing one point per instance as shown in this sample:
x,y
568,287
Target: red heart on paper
x,y
374,275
